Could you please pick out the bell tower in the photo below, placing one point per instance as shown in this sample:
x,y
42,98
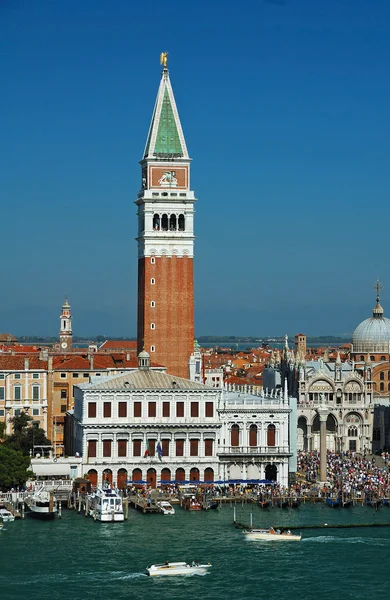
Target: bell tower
x,y
66,327
165,327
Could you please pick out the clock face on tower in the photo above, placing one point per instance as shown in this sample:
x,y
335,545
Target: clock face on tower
x,y
64,345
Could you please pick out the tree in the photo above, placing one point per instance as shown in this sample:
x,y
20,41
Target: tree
x,y
26,435
13,468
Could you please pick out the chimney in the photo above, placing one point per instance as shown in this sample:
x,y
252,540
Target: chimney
x,y
26,364
90,356
50,363
127,356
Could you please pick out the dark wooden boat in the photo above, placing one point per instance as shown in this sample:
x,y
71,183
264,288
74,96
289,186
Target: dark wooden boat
x,y
373,503
294,504
282,503
212,505
346,503
385,502
264,503
333,502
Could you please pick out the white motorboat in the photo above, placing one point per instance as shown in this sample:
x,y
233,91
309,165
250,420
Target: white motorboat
x,y
272,535
41,504
6,515
177,568
105,505
166,507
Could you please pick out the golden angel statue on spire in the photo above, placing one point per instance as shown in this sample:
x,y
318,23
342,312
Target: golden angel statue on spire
x,y
164,59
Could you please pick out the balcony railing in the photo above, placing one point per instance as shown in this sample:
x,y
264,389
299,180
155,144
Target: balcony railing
x,y
266,450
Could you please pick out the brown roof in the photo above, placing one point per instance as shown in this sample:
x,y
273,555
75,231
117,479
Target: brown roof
x,y
119,345
7,337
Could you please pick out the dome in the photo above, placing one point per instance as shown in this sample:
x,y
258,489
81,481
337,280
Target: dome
x,y
143,354
372,335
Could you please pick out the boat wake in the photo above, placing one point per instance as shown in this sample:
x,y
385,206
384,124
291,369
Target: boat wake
x,y
327,539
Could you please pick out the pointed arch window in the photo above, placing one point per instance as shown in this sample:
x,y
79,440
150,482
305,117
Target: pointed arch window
x,y
156,222
181,223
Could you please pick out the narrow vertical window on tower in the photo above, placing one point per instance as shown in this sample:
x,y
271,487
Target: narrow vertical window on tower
x,y
153,326
152,281
152,260
152,304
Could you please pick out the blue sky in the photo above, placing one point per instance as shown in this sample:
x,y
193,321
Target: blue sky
x,y
286,113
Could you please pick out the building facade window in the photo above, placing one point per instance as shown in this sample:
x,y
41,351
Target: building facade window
x,y
122,409
179,447
63,394
209,409
35,392
235,435
122,447
17,376
253,435
91,410
36,412
107,448
136,447
194,447
271,435
35,375
208,447
194,409
106,410
152,260
152,348
137,409
153,326
2,393
151,409
152,304
92,448
152,281
165,447
166,409
17,391
179,409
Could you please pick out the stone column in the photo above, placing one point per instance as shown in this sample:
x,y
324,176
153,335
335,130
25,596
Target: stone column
x,y
323,413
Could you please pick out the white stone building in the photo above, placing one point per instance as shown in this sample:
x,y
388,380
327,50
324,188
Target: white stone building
x,y
145,425
258,436
149,426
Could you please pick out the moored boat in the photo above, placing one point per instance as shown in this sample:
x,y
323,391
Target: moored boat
x,y
272,535
295,504
6,515
191,504
333,502
281,503
105,505
166,507
373,503
264,503
177,568
41,504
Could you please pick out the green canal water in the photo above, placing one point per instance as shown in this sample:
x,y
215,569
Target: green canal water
x,y
78,558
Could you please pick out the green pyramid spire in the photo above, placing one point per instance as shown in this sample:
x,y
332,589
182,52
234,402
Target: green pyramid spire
x,y
165,138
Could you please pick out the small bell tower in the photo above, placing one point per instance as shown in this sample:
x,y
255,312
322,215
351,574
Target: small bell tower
x,y
66,327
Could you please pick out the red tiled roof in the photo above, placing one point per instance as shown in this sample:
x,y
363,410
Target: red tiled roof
x,y
119,345
7,337
16,363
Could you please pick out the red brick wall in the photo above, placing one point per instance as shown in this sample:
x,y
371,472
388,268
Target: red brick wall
x,y
173,315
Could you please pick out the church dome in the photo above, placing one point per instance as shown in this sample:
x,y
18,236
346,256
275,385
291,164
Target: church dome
x,y
373,335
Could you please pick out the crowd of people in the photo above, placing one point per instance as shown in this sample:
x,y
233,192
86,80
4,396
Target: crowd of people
x,y
348,473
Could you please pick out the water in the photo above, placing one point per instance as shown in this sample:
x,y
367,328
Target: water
x,y
78,558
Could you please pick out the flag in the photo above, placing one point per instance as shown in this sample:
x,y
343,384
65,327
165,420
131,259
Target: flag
x,y
147,451
159,451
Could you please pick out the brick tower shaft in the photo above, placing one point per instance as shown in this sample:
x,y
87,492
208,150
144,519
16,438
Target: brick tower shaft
x,y
166,240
